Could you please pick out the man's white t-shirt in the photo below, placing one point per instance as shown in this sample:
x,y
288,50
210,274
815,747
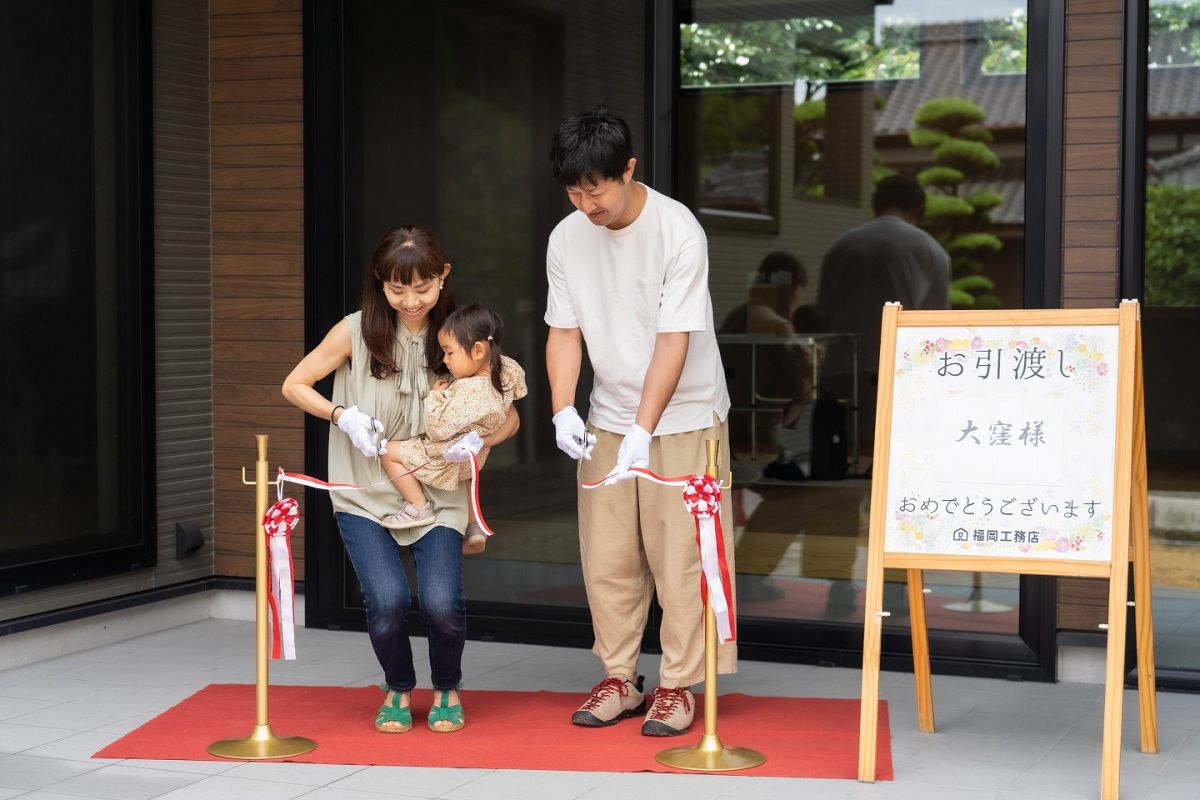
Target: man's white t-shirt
x,y
621,288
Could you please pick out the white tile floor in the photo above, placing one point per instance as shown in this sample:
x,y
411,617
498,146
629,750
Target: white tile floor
x,y
996,739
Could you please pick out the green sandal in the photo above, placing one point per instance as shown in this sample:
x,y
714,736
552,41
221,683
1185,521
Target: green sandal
x,y
392,718
446,718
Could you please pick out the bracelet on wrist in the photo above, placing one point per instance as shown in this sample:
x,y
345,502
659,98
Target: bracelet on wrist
x,y
333,413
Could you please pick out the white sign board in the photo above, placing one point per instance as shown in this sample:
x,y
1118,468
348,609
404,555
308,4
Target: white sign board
x,y
1003,442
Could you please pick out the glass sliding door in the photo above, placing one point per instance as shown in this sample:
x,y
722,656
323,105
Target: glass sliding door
x,y
792,117
1171,319
74,201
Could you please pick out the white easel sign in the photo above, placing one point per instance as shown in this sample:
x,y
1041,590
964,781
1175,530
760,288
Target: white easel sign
x,y
1002,442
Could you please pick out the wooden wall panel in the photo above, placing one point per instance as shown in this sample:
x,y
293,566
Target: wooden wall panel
x,y
257,84
1091,202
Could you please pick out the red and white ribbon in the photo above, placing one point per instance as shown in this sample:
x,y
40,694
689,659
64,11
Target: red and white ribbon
x,y
316,483
301,479
642,472
278,523
476,508
702,499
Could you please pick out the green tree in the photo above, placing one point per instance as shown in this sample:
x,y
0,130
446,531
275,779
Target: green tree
x,y
853,56
1172,257
1008,44
952,128
761,51
810,49
808,52
1174,33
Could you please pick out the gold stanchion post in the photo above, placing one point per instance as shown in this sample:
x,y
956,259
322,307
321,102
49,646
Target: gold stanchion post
x,y
710,755
262,743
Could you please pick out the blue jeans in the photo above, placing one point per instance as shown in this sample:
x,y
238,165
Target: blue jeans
x,y
438,557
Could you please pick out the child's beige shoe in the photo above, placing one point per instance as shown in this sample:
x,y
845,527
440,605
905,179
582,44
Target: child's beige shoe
x,y
475,539
411,516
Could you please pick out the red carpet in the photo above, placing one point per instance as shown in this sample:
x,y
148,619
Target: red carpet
x,y
809,738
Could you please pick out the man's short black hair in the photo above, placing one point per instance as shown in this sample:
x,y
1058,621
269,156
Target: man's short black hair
x,y
590,147
898,193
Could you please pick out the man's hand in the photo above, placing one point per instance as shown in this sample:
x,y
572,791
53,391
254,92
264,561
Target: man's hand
x,y
570,434
462,450
634,452
364,432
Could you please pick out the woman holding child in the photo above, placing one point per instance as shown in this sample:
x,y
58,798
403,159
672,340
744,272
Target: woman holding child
x,y
386,360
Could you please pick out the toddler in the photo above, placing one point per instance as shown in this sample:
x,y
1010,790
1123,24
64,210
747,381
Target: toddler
x,y
485,384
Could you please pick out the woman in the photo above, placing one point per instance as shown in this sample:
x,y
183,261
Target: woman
x,y
384,358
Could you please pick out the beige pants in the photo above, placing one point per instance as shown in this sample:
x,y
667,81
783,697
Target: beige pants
x,y
636,537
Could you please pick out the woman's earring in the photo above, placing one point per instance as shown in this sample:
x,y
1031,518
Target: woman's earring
x,y
441,285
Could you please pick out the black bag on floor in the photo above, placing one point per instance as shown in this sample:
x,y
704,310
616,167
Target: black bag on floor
x,y
829,445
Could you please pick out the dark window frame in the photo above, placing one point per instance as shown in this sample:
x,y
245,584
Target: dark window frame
x,y
135,339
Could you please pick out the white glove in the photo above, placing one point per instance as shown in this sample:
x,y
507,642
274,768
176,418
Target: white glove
x,y
573,439
364,431
634,452
470,444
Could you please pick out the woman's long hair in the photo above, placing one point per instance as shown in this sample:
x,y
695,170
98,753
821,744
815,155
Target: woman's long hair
x,y
477,323
407,254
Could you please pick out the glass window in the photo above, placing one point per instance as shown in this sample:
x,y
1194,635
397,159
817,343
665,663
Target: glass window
x,y
70,307
841,155
1171,294
453,130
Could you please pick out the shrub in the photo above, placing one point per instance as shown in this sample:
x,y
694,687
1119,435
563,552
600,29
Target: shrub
x,y
952,128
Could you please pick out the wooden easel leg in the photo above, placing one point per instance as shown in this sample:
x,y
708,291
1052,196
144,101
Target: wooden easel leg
x,y
1140,552
1144,623
868,720
1118,579
920,649
1114,683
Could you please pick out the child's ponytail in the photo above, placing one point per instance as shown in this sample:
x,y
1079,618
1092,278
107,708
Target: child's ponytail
x,y
478,323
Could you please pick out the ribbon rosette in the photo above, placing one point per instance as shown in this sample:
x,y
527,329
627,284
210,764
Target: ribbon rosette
x,y
278,523
702,498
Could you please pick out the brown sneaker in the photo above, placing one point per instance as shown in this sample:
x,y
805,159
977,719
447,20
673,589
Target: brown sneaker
x,y
612,700
671,712
411,516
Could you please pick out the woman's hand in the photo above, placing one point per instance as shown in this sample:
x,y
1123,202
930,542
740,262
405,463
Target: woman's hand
x,y
364,431
462,450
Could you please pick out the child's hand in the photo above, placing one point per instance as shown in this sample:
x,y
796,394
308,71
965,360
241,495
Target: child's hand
x,y
441,383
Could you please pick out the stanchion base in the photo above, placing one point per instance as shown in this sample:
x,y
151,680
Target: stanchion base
x,y
980,606
710,756
262,744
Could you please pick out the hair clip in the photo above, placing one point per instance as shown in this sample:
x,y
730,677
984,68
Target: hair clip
x,y
490,339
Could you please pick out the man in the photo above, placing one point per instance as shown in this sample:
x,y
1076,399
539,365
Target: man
x,y
628,275
885,260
